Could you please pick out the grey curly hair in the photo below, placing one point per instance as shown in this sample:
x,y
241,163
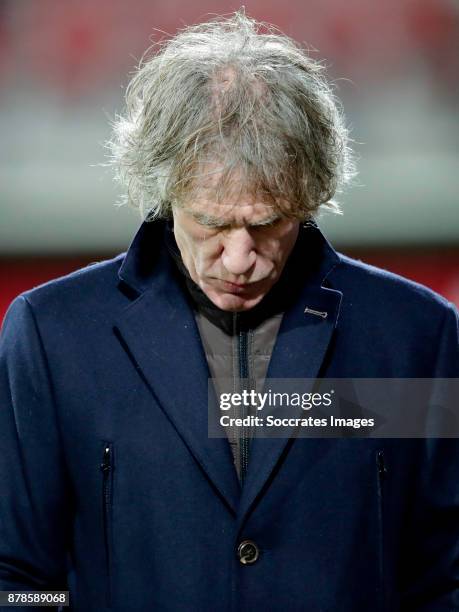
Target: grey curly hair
x,y
234,99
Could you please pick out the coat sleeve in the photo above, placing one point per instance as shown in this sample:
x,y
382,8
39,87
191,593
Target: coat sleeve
x,y
431,553
34,495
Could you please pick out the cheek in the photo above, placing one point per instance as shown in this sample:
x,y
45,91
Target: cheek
x,y
277,248
273,249
209,253
287,241
204,252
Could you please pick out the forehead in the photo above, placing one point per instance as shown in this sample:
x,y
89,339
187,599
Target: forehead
x,y
243,211
235,203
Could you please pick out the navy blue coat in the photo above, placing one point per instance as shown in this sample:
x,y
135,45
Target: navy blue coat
x,y
109,482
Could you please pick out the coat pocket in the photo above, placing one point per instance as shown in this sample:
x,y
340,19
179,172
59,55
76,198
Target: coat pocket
x,y
106,467
381,475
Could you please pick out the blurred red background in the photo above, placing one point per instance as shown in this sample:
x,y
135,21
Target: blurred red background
x,y
63,68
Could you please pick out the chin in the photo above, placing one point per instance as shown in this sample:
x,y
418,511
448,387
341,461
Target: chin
x,y
233,303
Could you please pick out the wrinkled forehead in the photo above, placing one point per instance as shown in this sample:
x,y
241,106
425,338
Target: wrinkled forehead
x,y
238,204
247,210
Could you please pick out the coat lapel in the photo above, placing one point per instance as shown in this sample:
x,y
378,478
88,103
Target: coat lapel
x,y
159,332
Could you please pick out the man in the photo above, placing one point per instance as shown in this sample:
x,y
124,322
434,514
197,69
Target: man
x,y
111,487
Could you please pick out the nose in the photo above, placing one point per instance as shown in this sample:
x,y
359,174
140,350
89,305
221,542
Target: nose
x,y
239,253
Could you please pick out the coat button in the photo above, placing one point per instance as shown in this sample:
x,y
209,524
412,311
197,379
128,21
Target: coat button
x,y
248,552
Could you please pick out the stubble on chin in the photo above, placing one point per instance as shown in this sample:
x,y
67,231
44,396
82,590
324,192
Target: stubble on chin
x,y
232,303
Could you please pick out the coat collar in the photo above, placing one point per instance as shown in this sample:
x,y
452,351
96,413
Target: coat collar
x,y
138,267
159,332
142,257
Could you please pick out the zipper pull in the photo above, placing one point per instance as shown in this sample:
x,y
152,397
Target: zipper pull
x,y
381,464
106,464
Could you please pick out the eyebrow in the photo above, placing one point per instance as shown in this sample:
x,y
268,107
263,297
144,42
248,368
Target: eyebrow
x,y
210,221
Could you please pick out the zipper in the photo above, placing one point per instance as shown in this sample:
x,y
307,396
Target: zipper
x,y
381,478
243,376
107,470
